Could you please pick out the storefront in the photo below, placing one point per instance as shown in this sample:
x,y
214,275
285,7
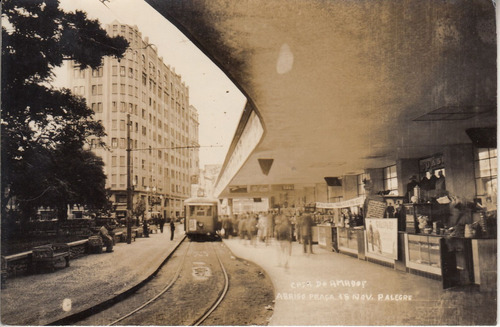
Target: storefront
x,y
442,225
347,237
444,228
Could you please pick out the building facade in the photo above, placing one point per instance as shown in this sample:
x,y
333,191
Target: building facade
x,y
141,91
194,152
206,181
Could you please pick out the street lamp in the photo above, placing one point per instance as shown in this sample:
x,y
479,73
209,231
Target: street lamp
x,y
129,183
151,201
148,190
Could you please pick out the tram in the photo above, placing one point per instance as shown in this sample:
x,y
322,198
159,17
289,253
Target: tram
x,y
201,217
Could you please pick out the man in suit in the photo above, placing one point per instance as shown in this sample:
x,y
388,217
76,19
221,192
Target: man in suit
x,y
306,232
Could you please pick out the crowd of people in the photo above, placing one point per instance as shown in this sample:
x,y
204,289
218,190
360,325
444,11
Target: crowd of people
x,y
157,222
263,227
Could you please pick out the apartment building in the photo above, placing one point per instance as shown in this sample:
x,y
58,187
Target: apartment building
x,y
194,152
144,92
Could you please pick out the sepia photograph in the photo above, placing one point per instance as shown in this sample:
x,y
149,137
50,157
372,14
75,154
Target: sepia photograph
x,y
249,163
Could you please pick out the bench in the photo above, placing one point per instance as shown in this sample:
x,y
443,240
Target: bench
x,y
95,244
49,255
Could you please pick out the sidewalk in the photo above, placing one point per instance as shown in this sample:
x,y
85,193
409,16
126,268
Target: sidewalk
x,y
46,297
328,288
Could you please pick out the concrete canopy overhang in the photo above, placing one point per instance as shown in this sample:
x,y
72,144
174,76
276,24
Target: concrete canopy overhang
x,y
341,86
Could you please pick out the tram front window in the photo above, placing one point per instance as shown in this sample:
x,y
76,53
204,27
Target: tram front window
x,y
204,211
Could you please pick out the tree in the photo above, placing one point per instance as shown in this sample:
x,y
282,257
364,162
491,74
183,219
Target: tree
x,y
139,210
44,129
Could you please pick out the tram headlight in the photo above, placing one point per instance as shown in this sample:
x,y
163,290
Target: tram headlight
x,y
200,224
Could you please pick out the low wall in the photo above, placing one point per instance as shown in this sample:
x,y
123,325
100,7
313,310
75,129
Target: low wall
x,y
21,263
72,227
17,238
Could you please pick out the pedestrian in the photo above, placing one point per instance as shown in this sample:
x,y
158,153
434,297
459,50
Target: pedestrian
x,y
172,229
145,228
306,232
270,226
106,237
389,211
410,187
251,228
242,227
162,223
298,223
225,227
262,228
231,227
284,235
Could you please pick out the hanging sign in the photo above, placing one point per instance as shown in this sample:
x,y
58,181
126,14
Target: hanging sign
x,y
376,209
343,204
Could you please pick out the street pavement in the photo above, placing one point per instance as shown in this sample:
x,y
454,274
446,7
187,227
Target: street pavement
x,y
43,298
327,288
323,288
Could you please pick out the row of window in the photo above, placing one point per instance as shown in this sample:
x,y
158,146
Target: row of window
x,y
153,88
120,161
131,108
79,90
157,153
152,103
391,180
97,89
115,183
485,172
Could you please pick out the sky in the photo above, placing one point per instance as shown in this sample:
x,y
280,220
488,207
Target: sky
x,y
218,100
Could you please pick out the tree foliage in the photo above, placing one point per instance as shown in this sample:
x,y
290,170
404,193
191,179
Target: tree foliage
x,y
139,209
44,129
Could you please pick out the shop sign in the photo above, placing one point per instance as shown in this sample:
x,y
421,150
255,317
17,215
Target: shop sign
x,y
343,204
288,187
382,237
259,188
238,189
434,162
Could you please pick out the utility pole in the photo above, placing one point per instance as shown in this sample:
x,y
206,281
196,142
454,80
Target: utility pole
x,y
129,184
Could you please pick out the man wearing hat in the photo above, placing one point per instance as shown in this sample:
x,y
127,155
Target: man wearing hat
x,y
410,186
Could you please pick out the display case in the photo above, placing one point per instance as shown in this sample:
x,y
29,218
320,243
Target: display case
x,y
411,225
350,240
423,253
327,237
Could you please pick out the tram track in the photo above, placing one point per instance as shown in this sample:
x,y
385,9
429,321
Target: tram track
x,y
124,308
117,298
199,320
196,289
155,297
221,296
